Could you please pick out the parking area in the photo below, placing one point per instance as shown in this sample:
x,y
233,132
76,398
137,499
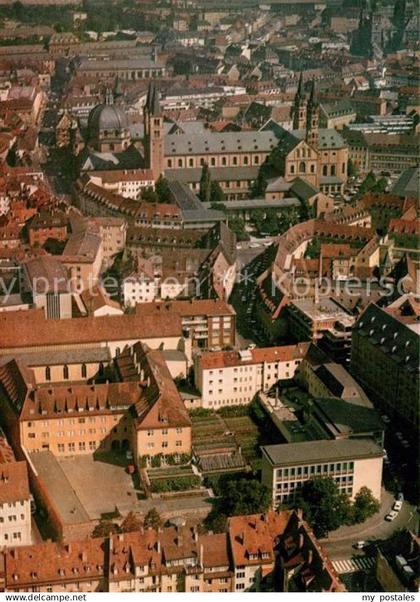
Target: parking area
x,y
102,487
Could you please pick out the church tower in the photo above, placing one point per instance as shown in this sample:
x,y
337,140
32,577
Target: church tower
x,y
299,107
312,118
154,132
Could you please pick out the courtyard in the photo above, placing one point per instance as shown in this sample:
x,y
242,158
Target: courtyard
x,y
105,490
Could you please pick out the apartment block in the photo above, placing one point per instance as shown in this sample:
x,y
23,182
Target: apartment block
x,y
385,360
352,463
208,322
234,377
15,503
179,559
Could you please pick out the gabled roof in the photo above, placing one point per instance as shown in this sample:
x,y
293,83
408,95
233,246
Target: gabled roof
x,y
161,405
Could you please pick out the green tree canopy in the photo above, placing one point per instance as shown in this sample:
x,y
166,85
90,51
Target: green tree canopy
x,y
364,505
245,496
162,190
324,507
205,184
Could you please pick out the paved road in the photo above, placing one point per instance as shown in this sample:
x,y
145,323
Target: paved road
x,y
340,543
353,565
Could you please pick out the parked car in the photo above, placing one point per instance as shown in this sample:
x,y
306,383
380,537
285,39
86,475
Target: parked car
x,y
399,436
397,506
400,496
392,515
359,545
131,469
385,419
405,444
129,454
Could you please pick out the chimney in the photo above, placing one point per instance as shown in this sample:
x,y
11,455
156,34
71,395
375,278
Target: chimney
x,y
201,559
179,540
158,547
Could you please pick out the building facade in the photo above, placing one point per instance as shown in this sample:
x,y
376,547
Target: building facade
x,y
352,463
233,378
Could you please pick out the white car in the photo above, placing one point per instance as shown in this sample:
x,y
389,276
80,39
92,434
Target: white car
x,y
399,435
385,419
397,505
405,444
391,515
359,545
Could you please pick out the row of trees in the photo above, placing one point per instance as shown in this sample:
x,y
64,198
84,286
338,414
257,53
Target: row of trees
x,y
132,522
326,508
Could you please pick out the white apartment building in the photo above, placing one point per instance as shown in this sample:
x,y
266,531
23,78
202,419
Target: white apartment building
x,y
15,505
140,288
352,463
233,378
129,183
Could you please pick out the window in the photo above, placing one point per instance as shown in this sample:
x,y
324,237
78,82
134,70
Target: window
x,y
292,169
47,373
65,372
325,170
302,167
84,371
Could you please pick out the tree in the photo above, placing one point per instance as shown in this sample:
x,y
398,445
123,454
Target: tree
x,y
105,528
352,169
244,496
216,193
324,507
132,522
368,183
364,505
218,207
162,190
237,225
216,521
153,519
149,195
205,184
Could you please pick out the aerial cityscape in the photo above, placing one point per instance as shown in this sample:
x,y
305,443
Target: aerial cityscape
x,y
209,296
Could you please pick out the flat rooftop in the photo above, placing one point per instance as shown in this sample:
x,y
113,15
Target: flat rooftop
x,y
324,310
59,488
309,452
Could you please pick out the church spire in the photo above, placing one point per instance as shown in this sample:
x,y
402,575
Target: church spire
x,y
312,117
299,109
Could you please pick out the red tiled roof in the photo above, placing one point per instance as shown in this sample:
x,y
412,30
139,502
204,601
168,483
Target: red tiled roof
x,y
30,328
